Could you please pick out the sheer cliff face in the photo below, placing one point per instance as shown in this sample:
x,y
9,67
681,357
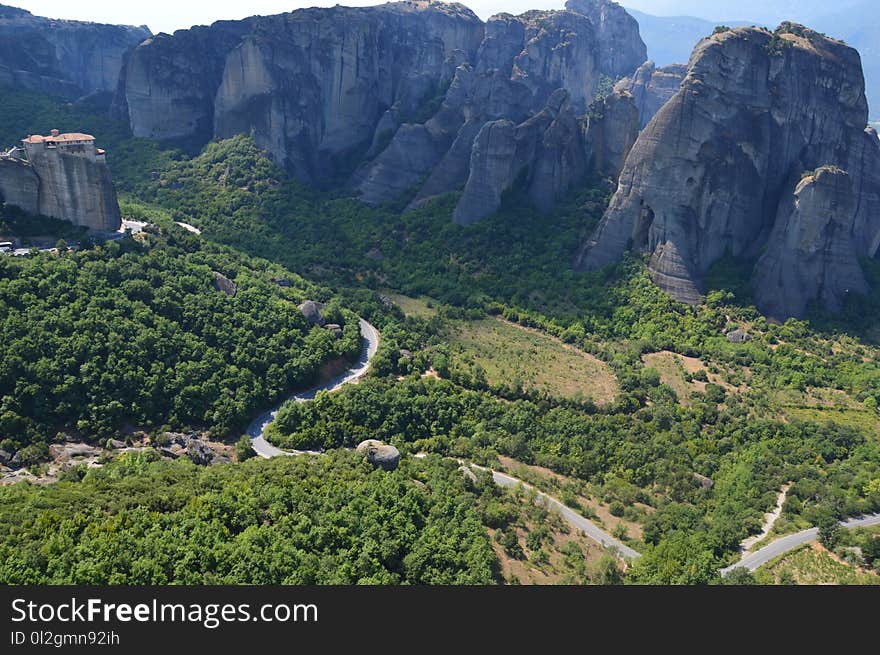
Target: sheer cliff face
x,y
718,168
311,85
503,120
70,187
652,87
401,91
62,57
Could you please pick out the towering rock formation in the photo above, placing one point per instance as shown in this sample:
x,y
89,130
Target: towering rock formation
x,y
62,57
811,254
169,83
497,109
543,151
392,97
61,176
719,169
311,85
610,130
652,87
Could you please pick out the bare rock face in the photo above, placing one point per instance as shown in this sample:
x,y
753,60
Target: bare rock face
x,y
169,83
718,168
652,87
610,130
811,253
388,100
621,49
495,120
543,151
62,57
19,185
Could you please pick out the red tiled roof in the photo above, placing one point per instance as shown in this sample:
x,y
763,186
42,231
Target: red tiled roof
x,y
71,136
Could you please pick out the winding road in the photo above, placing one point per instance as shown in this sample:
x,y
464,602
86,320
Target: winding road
x,y
257,429
370,335
753,561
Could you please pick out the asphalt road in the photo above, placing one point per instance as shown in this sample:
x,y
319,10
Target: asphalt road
x,y
257,429
784,544
586,526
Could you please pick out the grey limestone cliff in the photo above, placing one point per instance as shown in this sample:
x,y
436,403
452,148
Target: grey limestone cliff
x,y
494,116
62,57
387,99
718,170
811,253
652,87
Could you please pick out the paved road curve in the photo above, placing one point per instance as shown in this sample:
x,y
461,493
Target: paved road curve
x,y
257,429
589,528
792,541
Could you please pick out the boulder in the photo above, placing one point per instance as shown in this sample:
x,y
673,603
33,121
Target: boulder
x,y
311,310
738,336
224,284
335,329
380,454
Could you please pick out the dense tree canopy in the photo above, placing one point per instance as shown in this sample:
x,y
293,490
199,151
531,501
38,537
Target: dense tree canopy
x,y
137,333
328,520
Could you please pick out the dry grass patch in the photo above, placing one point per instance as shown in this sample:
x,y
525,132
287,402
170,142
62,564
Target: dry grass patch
x,y
811,564
421,307
512,354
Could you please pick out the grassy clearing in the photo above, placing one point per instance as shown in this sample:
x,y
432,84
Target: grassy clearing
x,y
676,370
509,353
421,307
828,406
812,565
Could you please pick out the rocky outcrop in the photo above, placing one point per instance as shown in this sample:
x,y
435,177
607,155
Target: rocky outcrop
x,y
493,124
19,185
544,153
621,49
313,312
224,284
61,176
719,168
610,130
62,57
379,454
652,87
387,99
811,254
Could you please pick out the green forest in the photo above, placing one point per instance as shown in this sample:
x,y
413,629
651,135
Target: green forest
x,y
135,333
328,520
